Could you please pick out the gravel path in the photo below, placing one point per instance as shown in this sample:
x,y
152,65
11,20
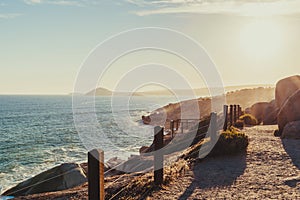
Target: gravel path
x,y
269,170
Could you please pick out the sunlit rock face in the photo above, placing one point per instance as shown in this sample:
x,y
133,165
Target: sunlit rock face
x,y
290,111
286,88
264,112
62,177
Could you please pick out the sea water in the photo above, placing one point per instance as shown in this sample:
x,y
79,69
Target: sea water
x,y
38,132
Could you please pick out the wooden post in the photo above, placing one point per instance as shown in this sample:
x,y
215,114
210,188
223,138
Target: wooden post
x,y
181,125
158,155
96,174
239,111
172,128
175,125
231,115
225,113
234,113
213,127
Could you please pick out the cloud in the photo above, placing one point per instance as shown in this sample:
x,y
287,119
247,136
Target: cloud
x,y
238,7
33,1
62,2
9,15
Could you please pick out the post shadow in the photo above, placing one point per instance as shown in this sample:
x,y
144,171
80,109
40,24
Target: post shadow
x,y
216,172
292,148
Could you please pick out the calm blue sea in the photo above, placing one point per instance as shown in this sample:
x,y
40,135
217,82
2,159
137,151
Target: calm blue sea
x,y
38,132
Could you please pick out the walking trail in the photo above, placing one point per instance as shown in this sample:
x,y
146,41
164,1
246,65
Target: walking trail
x,y
269,170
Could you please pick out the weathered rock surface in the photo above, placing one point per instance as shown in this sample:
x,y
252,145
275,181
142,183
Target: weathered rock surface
x,y
109,167
61,177
146,119
290,111
285,88
258,109
270,113
291,130
265,112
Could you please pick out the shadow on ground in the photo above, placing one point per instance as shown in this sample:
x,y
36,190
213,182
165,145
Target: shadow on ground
x,y
292,148
216,172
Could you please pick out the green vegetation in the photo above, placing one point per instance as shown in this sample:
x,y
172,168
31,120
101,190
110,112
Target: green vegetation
x,y
249,119
232,141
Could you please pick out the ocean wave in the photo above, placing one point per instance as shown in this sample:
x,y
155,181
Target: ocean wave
x,y
38,133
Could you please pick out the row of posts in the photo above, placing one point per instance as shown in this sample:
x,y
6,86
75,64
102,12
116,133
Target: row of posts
x,y
235,111
174,125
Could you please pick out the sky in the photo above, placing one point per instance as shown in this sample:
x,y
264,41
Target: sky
x,y
43,43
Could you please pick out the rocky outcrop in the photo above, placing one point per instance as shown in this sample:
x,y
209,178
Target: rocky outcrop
x,y
258,109
291,130
285,88
61,177
146,119
264,112
109,167
290,111
270,113
136,164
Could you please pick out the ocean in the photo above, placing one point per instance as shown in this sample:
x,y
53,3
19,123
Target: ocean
x,y
38,132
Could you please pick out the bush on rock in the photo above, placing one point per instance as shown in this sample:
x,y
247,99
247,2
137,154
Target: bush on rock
x,y
249,119
230,142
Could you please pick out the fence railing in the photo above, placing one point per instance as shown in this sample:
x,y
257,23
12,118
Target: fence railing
x,y
231,117
96,157
179,125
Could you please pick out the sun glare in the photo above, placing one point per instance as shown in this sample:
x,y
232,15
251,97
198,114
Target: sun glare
x,y
261,39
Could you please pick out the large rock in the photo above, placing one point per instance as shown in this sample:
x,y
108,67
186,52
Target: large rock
x,y
257,110
291,130
61,177
290,111
146,119
270,113
285,88
136,164
265,112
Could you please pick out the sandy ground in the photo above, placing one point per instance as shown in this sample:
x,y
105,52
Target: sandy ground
x,y
269,170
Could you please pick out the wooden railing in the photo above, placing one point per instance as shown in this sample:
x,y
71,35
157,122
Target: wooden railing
x,y
231,117
174,126
96,157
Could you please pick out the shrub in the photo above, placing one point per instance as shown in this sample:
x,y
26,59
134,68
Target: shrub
x,y
232,141
249,119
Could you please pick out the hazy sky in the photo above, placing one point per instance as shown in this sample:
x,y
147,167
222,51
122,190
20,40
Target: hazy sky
x,y
44,42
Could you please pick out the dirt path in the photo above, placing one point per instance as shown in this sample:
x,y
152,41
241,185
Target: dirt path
x,y
269,170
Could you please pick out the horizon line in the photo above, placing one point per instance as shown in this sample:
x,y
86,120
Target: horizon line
x,y
71,93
